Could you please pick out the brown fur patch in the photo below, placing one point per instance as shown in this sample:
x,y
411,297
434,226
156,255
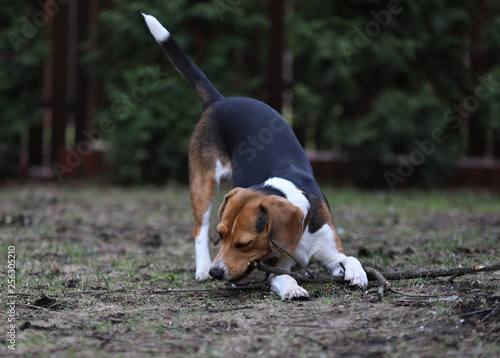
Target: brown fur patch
x,y
338,243
237,225
203,156
202,192
204,146
325,216
284,223
201,92
242,242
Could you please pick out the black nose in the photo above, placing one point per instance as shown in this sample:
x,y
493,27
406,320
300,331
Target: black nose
x,y
216,273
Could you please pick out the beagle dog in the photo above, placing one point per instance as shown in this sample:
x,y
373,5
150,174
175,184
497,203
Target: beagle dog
x,y
275,195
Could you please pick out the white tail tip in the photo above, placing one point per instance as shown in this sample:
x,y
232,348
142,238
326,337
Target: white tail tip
x,y
157,30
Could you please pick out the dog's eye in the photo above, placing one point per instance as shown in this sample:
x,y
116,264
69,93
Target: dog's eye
x,y
239,246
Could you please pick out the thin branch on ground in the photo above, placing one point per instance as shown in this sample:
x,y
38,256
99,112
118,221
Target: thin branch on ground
x,y
492,313
460,271
230,309
89,292
381,278
35,307
321,344
295,275
108,339
237,288
384,284
292,256
415,295
375,275
488,309
159,291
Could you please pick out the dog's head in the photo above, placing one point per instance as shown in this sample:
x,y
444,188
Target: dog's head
x,y
247,220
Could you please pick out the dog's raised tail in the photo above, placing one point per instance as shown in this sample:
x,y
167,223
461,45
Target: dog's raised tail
x,y
205,90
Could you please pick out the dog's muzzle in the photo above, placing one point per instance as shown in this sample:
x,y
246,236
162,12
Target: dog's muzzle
x,y
216,273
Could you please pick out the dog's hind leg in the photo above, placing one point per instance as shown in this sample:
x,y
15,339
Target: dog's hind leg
x,y
206,171
202,190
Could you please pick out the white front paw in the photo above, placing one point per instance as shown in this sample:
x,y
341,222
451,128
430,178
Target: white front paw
x,y
294,292
354,272
202,269
203,262
203,275
286,287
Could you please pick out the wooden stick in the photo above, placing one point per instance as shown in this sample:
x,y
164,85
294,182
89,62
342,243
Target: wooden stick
x,y
441,272
160,291
35,307
375,275
384,284
295,275
108,339
293,257
490,314
488,309
230,309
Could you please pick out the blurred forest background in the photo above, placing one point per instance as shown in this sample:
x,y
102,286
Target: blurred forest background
x,y
385,92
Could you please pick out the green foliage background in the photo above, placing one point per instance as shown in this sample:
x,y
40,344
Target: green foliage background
x,y
395,89
372,106
150,142
21,78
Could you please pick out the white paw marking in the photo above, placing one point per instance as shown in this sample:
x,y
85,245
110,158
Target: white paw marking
x,y
203,275
294,292
354,273
286,287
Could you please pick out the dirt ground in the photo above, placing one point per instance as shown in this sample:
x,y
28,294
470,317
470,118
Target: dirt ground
x,y
104,271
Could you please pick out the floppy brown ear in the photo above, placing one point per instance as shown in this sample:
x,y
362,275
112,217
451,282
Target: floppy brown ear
x,y
284,223
226,199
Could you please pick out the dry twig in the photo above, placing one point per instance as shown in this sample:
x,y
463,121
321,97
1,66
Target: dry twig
x,y
382,279
292,256
108,339
295,275
375,275
35,307
159,291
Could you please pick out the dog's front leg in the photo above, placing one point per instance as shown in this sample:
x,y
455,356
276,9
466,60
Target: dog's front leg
x,y
284,285
353,273
202,251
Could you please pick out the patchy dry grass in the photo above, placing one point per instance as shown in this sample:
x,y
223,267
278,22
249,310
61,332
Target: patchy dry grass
x,y
94,262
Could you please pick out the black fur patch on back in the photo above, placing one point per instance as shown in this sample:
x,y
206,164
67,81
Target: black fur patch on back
x,y
268,190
